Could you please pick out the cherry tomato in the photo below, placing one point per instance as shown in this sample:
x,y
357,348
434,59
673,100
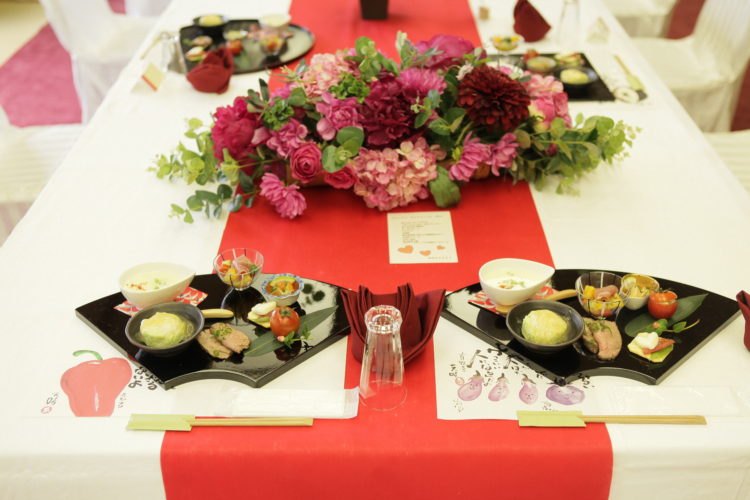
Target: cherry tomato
x,y
662,304
234,46
284,320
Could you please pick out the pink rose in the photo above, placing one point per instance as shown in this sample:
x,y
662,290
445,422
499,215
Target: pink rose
x,y
305,162
343,179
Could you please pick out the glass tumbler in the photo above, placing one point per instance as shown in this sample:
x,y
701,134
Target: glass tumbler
x,y
381,384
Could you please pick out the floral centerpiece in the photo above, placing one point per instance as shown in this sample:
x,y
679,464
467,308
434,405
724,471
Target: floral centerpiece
x,y
392,132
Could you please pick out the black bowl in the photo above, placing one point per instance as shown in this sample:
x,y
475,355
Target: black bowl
x,y
570,315
188,312
575,88
215,31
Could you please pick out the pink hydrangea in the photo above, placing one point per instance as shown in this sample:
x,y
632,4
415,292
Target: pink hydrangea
x,y
386,114
417,82
286,200
337,114
305,162
288,138
390,177
548,107
341,179
450,50
236,130
539,85
503,153
473,153
323,72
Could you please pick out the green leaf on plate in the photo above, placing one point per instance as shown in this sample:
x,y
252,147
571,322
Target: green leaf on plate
x,y
268,342
685,307
315,318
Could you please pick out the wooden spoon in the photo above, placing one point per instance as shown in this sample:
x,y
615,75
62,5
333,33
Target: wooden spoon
x,y
562,294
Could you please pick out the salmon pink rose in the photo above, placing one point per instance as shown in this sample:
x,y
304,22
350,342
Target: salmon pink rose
x,y
305,162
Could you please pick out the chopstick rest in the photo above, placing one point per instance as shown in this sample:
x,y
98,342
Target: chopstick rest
x,y
577,419
158,422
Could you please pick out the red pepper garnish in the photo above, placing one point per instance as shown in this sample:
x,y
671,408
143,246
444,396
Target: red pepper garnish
x,y
93,386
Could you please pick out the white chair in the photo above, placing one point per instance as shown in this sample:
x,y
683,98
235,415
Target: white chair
x,y
100,43
705,69
734,149
644,18
29,157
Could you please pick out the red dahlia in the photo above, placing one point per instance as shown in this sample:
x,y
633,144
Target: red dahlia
x,y
493,99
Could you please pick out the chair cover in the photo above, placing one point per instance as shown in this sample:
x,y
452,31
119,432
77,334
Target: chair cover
x,y
644,18
100,44
705,69
145,8
29,157
734,149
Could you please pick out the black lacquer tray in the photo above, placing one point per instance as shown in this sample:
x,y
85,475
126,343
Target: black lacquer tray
x,y
597,91
575,362
195,363
252,58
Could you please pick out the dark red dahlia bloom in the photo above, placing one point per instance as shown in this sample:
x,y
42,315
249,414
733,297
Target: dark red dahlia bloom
x,y
493,100
386,113
235,129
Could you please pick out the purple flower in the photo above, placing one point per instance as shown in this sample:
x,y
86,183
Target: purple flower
x,y
236,130
417,82
337,114
305,162
286,200
451,50
503,153
342,179
386,114
288,138
473,154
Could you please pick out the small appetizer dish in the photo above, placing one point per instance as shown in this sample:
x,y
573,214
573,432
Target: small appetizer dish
x,y
569,59
650,346
195,54
510,281
576,79
283,289
164,329
600,294
543,326
153,283
638,288
211,24
540,64
278,22
237,267
202,41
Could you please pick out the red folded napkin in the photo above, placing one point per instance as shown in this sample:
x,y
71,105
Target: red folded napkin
x,y
529,22
420,314
214,72
743,299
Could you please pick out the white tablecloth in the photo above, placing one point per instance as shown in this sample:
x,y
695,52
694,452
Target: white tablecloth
x,y
677,213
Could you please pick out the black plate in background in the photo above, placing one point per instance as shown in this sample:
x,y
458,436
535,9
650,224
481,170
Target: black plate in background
x,y
575,362
252,57
597,91
195,363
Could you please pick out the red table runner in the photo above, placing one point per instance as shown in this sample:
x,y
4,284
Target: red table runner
x,y
407,452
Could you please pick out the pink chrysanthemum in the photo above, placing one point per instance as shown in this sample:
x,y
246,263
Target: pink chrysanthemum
x,y
286,200
539,85
386,114
394,177
236,130
503,153
450,50
474,153
337,114
288,138
417,82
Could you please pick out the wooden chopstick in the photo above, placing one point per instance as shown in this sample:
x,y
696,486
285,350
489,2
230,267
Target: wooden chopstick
x,y
646,419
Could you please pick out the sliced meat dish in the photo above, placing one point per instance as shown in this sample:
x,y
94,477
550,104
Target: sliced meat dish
x,y
231,338
212,346
603,338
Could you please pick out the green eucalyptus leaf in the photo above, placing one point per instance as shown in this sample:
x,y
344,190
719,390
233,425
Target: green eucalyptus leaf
x,y
440,127
224,191
207,196
348,134
188,218
523,138
422,119
297,97
444,190
249,201
329,159
264,90
246,182
194,203
235,204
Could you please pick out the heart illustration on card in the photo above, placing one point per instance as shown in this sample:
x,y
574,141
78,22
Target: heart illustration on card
x,y
406,249
440,247
425,252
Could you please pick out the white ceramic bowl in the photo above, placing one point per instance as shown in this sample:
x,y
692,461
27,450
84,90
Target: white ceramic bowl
x,y
282,300
647,282
139,283
533,274
278,22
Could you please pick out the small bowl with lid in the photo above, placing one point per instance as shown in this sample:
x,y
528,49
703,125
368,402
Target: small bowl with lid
x,y
510,281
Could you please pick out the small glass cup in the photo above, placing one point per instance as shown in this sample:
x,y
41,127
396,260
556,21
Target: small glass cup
x,y
601,308
381,384
505,45
237,267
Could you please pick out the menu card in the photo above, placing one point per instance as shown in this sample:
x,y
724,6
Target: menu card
x,y
421,238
